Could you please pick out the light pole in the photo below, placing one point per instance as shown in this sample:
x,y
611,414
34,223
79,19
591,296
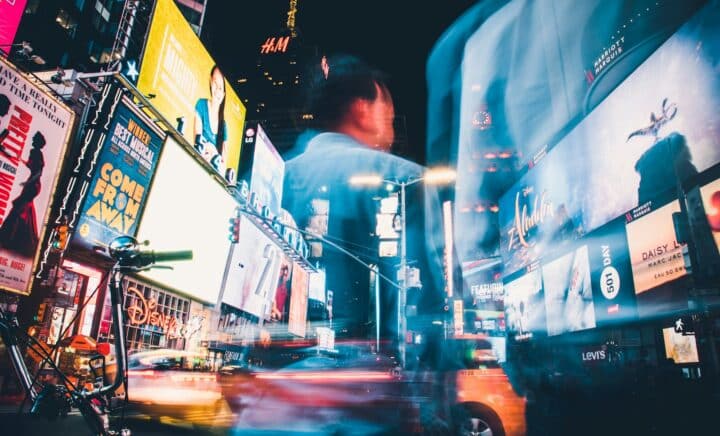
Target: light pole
x,y
430,176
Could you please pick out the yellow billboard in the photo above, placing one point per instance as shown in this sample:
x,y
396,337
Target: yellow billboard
x,y
187,88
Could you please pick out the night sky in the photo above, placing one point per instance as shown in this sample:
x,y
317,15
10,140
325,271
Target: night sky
x,y
395,36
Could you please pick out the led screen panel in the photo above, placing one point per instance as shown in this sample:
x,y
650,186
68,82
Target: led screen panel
x,y
524,305
653,130
253,271
710,194
188,209
268,172
568,293
179,72
658,265
297,323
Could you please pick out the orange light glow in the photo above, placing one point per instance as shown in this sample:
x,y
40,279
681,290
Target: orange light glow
x,y
326,376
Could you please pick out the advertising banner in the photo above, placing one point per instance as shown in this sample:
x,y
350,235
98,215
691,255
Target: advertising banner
x,y
297,322
568,293
265,167
124,170
34,131
11,12
252,276
282,292
317,286
656,258
178,71
710,194
187,210
611,274
652,132
524,304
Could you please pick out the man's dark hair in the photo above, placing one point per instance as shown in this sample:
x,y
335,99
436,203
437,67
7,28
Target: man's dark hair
x,y
348,79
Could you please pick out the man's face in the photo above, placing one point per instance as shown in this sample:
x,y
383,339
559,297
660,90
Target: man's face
x,y
383,113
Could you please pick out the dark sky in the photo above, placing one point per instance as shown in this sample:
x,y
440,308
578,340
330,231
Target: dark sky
x,y
395,36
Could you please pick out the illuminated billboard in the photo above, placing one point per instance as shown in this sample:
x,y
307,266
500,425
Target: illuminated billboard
x,y
121,182
265,167
252,276
282,292
524,304
11,12
611,274
710,194
186,209
568,293
657,258
34,130
178,71
297,321
317,286
653,131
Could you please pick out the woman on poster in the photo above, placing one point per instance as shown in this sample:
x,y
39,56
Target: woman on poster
x,y
19,231
210,129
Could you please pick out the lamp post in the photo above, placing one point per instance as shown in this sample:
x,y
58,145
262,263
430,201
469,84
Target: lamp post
x,y
430,176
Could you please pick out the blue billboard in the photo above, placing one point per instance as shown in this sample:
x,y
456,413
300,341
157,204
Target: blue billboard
x,y
124,169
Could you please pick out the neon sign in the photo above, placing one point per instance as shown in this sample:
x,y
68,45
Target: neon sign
x,y
525,220
275,45
143,311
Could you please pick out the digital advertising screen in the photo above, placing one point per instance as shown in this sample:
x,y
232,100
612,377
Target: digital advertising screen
x,y
253,273
11,12
265,167
121,183
483,278
181,75
34,131
657,258
611,274
710,194
524,304
316,286
187,210
297,322
282,292
659,121
568,293
680,348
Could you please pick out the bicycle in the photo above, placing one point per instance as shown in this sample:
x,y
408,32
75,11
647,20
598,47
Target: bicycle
x,y
53,400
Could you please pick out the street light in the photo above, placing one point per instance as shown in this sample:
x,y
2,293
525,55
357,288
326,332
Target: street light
x,y
433,176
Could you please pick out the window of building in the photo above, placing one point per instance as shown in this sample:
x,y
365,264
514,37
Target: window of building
x,y
66,21
32,6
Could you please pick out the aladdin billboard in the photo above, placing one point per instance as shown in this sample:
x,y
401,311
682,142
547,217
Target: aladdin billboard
x,y
187,85
124,169
655,130
34,130
11,12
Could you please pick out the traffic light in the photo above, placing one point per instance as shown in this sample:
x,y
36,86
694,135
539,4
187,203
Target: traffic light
x,y
62,232
234,229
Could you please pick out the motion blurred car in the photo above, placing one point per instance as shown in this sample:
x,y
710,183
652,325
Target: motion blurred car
x,y
461,388
174,386
347,390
